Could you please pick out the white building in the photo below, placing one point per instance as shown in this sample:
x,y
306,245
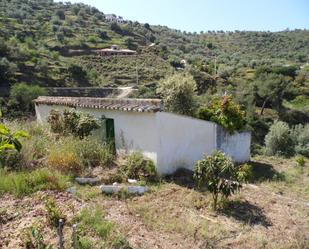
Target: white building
x,y
114,18
171,141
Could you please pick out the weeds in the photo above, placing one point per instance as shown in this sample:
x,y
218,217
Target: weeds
x,y
137,166
24,183
53,212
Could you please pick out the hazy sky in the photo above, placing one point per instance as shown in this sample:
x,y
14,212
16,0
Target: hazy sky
x,y
197,15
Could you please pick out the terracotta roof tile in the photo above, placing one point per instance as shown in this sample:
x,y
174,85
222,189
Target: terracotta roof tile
x,y
137,105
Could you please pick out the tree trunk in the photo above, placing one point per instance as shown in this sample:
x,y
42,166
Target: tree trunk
x,y
263,106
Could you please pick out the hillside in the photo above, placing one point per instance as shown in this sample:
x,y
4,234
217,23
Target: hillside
x,y
39,40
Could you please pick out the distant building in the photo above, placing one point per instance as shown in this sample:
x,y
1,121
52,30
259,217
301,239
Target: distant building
x,y
114,18
115,50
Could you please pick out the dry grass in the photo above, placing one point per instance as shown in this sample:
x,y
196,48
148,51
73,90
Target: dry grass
x,y
270,212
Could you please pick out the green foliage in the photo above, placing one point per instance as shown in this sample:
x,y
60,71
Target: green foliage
x,y
33,238
72,122
138,167
21,97
224,112
95,221
7,69
24,183
72,155
300,134
300,161
279,140
178,92
219,175
271,88
9,140
53,212
55,121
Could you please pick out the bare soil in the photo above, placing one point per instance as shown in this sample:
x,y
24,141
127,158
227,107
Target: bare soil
x,y
266,214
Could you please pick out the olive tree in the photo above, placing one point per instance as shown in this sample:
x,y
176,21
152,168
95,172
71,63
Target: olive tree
x,y
219,175
178,93
279,140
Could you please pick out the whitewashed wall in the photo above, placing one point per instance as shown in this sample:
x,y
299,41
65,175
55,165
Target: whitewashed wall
x,y
134,131
182,141
236,145
171,141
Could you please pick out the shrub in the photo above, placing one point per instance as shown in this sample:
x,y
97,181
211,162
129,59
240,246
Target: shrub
x,y
279,141
72,122
178,92
32,237
218,174
8,140
53,212
55,120
225,112
24,183
72,155
63,157
300,133
34,149
21,97
300,161
139,167
93,153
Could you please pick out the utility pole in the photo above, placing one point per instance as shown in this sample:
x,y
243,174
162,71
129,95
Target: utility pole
x,y
215,64
136,73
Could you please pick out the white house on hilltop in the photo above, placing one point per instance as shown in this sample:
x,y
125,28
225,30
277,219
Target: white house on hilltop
x,y
171,141
114,18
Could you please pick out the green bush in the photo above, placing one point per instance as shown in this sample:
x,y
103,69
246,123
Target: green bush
x,y
21,97
300,161
300,134
72,122
9,141
138,167
225,112
24,183
178,93
72,155
34,149
219,175
279,140
55,121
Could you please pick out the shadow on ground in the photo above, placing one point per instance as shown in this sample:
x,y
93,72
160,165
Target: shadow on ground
x,y
182,177
246,213
264,172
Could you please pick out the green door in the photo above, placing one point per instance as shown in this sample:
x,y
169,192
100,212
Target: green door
x,y
110,133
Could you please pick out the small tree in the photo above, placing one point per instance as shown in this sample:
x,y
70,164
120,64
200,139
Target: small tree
x,y
278,140
225,112
178,92
21,97
219,175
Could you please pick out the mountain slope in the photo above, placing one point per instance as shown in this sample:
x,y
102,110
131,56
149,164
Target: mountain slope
x,y
53,44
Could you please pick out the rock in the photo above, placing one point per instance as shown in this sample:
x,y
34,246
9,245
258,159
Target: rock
x,y
137,189
132,181
71,190
110,189
87,180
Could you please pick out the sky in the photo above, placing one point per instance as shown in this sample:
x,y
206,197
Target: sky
x,y
203,15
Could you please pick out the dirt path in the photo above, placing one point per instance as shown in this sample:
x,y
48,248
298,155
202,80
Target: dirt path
x,y
125,91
